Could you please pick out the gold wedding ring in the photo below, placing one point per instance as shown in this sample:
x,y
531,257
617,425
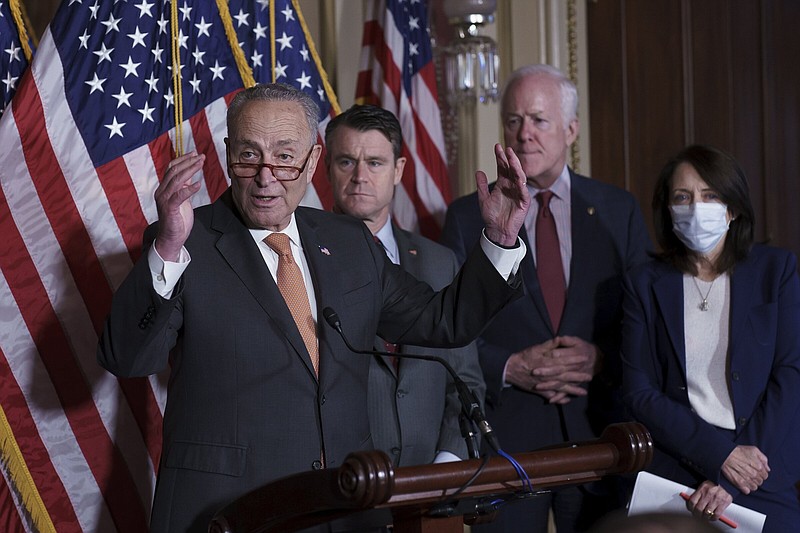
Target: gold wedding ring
x,y
709,513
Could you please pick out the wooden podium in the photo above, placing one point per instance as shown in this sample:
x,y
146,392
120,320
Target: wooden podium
x,y
429,498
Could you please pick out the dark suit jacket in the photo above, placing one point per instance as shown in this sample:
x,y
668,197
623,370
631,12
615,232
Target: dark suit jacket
x,y
608,237
414,411
764,370
244,406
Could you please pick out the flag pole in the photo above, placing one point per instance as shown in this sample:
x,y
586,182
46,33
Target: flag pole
x,y
176,79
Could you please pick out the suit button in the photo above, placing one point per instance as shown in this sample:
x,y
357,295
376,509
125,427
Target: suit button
x,y
735,376
316,465
395,450
322,400
742,421
401,393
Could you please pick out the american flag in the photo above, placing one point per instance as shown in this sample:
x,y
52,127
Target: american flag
x,y
15,50
279,48
82,146
397,73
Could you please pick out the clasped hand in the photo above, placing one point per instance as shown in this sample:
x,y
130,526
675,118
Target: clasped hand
x,y
746,467
556,369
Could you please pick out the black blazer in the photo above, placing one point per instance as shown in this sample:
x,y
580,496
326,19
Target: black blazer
x,y
244,406
608,237
414,411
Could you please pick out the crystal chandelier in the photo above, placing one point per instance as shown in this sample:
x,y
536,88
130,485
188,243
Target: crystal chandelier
x,y
470,60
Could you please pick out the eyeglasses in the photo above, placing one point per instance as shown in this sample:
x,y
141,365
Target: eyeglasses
x,y
281,172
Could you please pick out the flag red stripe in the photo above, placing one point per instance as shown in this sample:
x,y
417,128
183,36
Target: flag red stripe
x,y
428,75
364,93
57,202
144,407
51,489
162,152
212,168
321,183
80,254
68,381
392,76
118,186
10,521
410,185
431,157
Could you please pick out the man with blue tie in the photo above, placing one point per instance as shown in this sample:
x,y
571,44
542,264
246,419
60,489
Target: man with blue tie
x,y
412,404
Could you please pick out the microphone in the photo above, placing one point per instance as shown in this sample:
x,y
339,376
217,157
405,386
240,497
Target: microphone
x,y
469,403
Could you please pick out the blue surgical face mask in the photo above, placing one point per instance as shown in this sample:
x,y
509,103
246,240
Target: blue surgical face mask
x,y
700,226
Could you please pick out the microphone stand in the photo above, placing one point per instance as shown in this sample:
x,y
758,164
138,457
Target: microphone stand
x,y
471,408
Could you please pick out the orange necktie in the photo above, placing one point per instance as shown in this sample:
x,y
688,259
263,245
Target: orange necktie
x,y
290,283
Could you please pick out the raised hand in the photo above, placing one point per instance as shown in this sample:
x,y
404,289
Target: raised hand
x,y
504,208
173,201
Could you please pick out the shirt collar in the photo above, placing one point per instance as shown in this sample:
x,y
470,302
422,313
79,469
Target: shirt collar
x,y
386,235
561,187
291,230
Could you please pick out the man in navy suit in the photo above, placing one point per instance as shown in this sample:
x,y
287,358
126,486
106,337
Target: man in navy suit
x,y
229,296
550,359
413,405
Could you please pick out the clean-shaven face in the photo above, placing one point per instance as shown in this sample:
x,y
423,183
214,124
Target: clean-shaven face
x,y
363,174
533,125
272,132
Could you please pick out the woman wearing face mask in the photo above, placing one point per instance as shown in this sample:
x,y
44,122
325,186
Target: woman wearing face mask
x,y
711,345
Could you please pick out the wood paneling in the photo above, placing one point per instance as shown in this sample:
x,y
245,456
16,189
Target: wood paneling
x,y
667,73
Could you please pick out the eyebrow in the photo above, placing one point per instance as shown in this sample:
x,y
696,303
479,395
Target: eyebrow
x,y
367,157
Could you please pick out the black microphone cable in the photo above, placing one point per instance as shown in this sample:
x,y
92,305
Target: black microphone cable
x,y
469,402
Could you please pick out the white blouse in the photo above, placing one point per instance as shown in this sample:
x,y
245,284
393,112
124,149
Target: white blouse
x,y
706,343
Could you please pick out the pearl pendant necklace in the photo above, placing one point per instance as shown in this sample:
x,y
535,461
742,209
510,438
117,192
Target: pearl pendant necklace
x,y
704,299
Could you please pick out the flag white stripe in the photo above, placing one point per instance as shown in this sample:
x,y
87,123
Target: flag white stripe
x,y
45,408
75,163
216,113
428,110
67,302
201,197
144,177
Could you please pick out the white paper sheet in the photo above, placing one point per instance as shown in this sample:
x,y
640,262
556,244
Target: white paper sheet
x,y
654,494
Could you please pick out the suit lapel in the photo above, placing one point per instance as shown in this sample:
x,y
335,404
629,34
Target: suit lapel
x,y
583,219
319,260
237,247
530,279
668,292
412,262
741,300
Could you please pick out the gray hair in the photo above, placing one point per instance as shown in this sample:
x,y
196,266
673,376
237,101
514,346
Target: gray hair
x,y
569,93
276,92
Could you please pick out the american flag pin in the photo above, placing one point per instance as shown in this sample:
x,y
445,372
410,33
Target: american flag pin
x,y
413,251
324,250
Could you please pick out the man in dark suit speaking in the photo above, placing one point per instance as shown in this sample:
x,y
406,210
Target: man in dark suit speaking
x,y
413,405
542,356
228,295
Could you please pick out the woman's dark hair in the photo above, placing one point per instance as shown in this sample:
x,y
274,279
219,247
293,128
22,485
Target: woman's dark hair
x,y
723,174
